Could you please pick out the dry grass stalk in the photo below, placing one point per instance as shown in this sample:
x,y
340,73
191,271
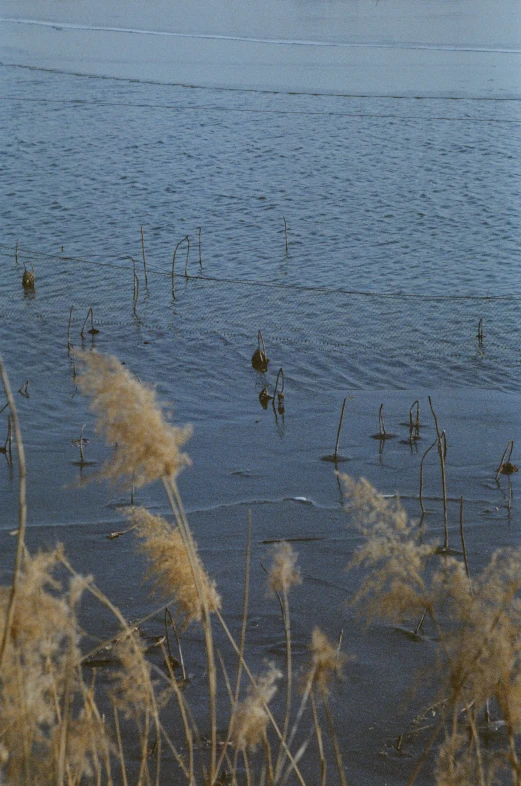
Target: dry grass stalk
x,y
22,511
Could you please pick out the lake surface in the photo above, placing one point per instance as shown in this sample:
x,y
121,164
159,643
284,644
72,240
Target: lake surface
x,y
401,200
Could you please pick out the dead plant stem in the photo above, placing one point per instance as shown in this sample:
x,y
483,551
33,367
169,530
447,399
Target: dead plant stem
x,y
22,512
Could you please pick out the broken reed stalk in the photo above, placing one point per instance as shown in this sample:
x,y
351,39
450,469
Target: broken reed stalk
x,y
178,640
69,345
93,330
414,424
421,474
22,511
480,335
144,257
285,234
505,465
442,452
187,255
339,427
9,439
135,295
381,424
462,535
277,395
200,248
173,262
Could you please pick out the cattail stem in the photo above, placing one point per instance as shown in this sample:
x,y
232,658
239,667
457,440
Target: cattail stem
x,y
285,234
200,248
16,252
144,257
22,512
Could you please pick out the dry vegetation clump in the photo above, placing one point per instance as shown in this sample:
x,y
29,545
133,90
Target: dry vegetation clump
x,y
477,624
52,730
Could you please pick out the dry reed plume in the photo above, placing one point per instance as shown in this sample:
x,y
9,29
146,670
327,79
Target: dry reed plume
x,y
250,719
169,568
148,448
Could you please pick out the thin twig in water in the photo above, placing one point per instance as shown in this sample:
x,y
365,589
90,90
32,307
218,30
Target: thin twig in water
x,y
144,257
442,452
178,640
173,262
421,474
69,345
462,535
285,234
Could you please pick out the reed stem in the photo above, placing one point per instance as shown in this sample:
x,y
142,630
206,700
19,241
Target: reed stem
x,y
22,512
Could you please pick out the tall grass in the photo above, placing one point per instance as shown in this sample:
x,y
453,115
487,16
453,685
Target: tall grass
x,y
57,727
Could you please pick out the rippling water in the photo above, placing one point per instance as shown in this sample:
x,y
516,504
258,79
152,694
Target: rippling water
x,y
403,222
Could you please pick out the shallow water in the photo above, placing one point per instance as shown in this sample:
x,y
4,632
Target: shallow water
x,y
403,221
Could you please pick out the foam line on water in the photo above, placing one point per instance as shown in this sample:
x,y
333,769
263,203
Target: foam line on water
x,y
273,41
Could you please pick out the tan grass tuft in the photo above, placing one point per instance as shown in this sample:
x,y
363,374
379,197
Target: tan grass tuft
x,y
250,719
170,569
284,572
327,661
395,586
129,416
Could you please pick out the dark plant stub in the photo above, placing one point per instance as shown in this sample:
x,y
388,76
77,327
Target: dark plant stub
x,y
264,397
28,280
508,468
260,360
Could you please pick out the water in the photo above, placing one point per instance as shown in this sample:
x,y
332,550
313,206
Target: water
x,y
403,219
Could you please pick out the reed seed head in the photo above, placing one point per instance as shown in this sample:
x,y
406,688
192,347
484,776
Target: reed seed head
x,y
326,661
284,572
170,569
129,416
250,718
